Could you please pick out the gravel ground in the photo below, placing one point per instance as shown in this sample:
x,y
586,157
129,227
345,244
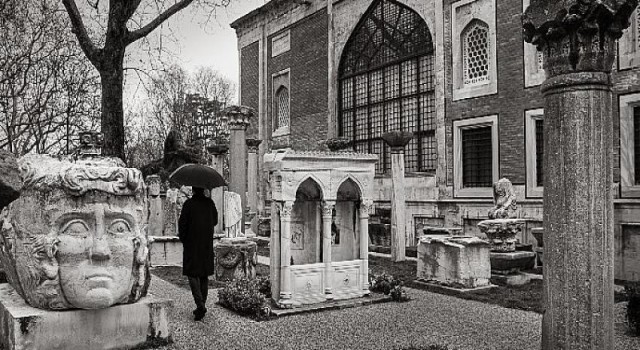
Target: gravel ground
x,y
427,319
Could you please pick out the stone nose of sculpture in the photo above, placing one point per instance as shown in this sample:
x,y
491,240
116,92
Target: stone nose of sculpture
x,y
100,249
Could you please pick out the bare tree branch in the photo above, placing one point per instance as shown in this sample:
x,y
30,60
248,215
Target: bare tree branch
x,y
88,47
156,22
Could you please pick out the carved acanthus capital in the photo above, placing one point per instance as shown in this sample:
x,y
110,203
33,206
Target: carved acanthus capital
x,y
253,144
576,35
366,206
327,208
239,117
285,209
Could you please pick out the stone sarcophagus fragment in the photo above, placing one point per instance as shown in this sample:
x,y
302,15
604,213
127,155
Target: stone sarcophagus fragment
x,y
75,238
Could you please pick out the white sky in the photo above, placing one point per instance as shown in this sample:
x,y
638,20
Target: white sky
x,y
213,44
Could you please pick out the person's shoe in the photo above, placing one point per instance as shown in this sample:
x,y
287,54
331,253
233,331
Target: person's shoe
x,y
198,314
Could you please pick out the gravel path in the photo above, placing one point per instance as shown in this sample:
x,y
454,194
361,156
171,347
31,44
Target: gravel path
x,y
427,319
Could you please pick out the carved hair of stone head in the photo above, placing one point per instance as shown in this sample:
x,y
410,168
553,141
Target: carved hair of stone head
x,y
56,190
504,200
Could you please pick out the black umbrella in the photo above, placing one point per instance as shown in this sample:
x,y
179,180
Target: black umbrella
x,y
197,175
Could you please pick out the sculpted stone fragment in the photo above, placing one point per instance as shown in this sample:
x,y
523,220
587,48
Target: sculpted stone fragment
x,y
75,238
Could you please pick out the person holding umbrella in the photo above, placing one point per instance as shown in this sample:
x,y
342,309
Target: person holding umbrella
x,y
195,230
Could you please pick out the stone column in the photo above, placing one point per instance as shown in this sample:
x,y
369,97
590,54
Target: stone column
x,y
578,39
238,119
327,215
155,219
218,153
285,253
397,140
252,183
365,209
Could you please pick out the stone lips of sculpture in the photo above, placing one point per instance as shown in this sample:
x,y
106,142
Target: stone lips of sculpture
x,y
76,236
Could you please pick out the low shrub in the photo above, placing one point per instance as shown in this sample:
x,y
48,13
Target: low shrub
x,y
388,285
633,307
264,286
244,297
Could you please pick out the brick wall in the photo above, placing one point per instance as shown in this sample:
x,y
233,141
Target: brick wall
x,y
249,81
509,103
308,64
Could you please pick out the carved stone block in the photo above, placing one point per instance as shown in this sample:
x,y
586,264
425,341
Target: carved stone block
x,y
235,258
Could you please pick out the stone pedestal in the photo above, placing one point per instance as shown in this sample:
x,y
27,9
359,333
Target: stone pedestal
x,y
459,262
142,324
578,39
235,258
397,140
165,251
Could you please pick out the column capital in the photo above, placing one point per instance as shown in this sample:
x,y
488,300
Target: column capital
x,y
285,209
239,117
327,208
397,140
253,145
218,149
366,206
576,35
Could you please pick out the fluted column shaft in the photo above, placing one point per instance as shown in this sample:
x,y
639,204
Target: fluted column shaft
x,y
285,252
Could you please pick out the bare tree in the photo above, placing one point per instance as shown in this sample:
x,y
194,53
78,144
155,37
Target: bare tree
x,y
122,29
48,90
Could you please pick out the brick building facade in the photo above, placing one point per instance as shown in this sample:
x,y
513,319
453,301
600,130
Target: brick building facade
x,y
457,73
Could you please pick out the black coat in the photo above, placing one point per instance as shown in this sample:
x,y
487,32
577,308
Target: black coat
x,y
195,230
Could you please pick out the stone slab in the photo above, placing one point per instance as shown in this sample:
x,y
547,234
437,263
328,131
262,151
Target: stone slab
x,y
517,279
512,262
165,251
142,324
436,287
372,298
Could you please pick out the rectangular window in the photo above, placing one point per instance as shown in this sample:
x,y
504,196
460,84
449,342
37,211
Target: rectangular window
x,y
475,157
539,151
636,141
629,44
534,129
630,145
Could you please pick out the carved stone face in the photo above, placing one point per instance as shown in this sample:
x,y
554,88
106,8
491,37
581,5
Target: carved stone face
x,y
80,245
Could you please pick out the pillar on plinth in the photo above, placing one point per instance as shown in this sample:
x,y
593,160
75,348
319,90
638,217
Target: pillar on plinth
x,y
238,120
327,216
252,183
397,140
218,154
578,40
285,254
365,209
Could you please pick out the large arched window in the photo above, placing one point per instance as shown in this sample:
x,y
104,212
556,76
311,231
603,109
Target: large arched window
x,y
386,84
282,105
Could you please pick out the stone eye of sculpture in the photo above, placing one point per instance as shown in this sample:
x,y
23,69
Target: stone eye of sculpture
x,y
75,237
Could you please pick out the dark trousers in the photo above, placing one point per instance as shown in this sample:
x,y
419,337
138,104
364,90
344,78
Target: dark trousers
x,y
199,290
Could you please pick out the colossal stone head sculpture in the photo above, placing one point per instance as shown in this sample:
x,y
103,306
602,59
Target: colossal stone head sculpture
x,y
75,237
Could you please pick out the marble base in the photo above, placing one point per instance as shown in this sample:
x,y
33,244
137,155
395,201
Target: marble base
x,y
143,324
511,263
516,279
165,251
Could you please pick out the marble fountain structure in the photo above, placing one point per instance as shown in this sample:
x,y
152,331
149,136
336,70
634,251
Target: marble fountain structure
x,y
75,251
501,230
320,215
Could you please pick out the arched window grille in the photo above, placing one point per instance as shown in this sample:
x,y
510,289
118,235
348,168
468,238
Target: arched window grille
x,y
475,53
387,84
282,98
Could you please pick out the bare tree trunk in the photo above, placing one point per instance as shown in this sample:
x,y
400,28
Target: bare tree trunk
x,y
112,127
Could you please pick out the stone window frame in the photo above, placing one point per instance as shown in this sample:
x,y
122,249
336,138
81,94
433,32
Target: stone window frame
x,y
458,125
279,80
459,25
627,143
531,116
534,73
629,44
